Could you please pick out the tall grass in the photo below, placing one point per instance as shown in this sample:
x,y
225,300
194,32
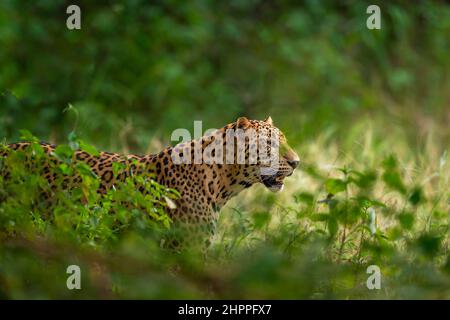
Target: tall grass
x,y
370,200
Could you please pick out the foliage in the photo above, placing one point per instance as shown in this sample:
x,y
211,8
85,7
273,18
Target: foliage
x,y
31,206
145,68
316,247
366,110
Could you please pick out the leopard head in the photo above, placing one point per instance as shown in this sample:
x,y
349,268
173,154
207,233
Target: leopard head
x,y
268,156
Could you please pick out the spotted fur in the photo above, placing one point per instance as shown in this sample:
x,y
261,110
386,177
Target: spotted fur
x,y
204,188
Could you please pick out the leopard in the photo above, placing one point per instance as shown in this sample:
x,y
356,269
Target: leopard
x,y
204,186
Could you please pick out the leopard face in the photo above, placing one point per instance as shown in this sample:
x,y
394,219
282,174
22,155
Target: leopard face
x,y
280,160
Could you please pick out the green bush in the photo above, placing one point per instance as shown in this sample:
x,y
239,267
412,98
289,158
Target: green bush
x,y
31,206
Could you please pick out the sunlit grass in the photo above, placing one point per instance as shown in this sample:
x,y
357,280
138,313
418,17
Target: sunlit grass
x,y
390,207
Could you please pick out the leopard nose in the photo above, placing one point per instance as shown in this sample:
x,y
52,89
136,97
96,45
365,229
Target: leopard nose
x,y
293,163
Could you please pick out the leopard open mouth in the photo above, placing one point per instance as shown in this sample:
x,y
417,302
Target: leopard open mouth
x,y
274,183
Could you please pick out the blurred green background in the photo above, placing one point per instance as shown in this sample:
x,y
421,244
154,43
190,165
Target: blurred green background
x,y
368,111
140,68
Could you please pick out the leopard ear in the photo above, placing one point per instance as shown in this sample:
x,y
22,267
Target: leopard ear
x,y
269,120
242,123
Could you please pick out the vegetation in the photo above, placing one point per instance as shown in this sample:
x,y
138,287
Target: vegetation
x,y
366,110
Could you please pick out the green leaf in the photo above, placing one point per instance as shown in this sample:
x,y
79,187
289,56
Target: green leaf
x,y
332,227
429,244
394,181
390,162
364,180
365,202
117,168
65,169
391,175
84,170
261,219
406,220
88,148
63,151
73,141
27,136
416,196
37,149
304,197
335,186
